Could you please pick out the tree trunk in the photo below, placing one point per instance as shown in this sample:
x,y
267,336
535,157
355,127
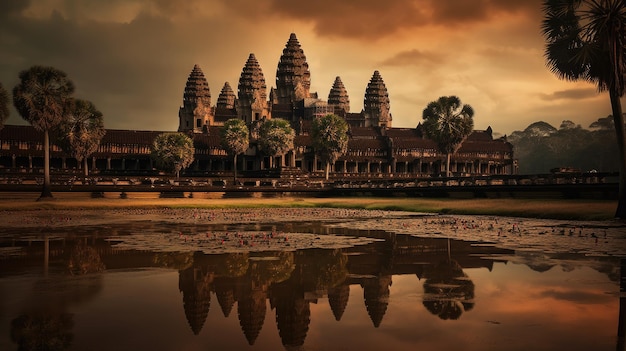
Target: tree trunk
x,y
235,169
448,164
327,169
618,119
46,193
85,167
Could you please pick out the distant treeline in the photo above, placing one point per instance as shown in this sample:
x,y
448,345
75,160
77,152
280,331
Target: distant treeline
x,y
542,147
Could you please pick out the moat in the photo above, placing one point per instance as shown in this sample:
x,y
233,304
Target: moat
x,y
307,279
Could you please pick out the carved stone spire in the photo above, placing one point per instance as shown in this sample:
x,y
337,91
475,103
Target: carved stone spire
x,y
376,104
196,110
226,99
292,73
338,96
252,93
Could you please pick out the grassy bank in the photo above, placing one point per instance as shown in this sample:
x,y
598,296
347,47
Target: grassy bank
x,y
579,209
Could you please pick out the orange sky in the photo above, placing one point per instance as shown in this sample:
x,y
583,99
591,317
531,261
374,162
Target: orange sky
x,y
132,57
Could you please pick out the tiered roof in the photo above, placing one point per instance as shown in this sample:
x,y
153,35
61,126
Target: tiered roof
x,y
196,89
376,103
292,71
226,99
338,96
252,83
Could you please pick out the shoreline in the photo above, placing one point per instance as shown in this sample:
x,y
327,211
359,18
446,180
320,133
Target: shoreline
x,y
565,209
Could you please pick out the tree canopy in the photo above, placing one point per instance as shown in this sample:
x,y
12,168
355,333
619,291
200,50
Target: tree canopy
x,y
42,96
276,137
538,150
4,105
448,123
81,132
172,152
235,139
330,138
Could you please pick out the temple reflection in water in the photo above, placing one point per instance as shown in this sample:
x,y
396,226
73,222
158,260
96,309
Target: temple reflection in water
x,y
245,282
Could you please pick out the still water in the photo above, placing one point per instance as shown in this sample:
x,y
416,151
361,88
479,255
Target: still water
x,y
145,286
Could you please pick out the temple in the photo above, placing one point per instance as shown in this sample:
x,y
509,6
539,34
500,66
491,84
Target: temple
x,y
375,147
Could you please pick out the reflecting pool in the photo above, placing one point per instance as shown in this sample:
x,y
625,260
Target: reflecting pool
x,y
296,285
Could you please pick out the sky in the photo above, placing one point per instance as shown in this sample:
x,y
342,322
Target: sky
x,y
132,58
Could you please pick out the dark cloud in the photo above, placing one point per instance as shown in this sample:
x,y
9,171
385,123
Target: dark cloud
x,y
570,94
374,19
134,72
414,58
12,7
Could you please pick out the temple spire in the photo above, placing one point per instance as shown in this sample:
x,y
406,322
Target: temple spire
x,y
376,104
338,97
252,104
195,113
293,78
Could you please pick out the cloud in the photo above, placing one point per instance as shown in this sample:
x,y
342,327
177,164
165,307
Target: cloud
x,y
414,58
570,94
374,19
12,7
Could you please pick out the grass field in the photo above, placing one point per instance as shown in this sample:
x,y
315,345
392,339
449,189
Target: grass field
x,y
579,209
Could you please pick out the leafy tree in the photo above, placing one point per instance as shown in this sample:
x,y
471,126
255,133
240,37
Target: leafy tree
x,y
172,152
541,147
448,123
585,40
276,137
4,105
604,123
81,132
41,98
330,138
235,140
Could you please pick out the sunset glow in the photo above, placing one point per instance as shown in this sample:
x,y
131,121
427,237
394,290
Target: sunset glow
x,y
131,58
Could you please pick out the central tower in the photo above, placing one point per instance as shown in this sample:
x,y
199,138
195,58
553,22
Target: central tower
x,y
293,79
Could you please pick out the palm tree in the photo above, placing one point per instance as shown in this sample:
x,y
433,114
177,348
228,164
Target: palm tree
x,y
4,105
173,152
81,132
41,98
276,137
235,140
585,40
448,123
330,138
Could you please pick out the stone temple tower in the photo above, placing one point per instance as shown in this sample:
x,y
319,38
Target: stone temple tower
x,y
376,103
195,113
338,98
226,99
252,102
293,78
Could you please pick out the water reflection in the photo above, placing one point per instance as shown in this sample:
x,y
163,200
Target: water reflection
x,y
448,291
291,282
